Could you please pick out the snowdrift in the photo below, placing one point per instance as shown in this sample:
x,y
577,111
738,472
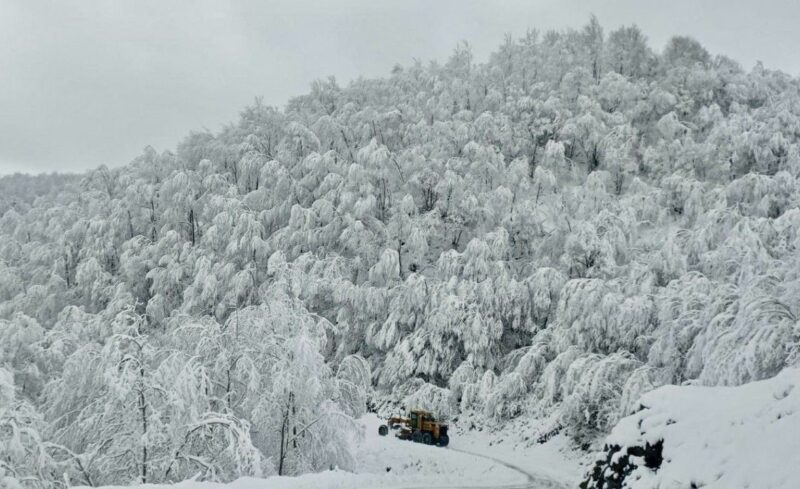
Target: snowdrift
x,y
710,437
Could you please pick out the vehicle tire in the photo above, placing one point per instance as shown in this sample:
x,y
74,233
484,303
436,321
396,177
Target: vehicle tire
x,y
427,438
383,430
444,440
416,437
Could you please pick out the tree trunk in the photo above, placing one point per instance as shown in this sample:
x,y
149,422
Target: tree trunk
x,y
282,454
284,428
143,411
66,270
152,221
191,223
130,225
532,160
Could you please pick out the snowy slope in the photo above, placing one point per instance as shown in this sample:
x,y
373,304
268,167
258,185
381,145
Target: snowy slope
x,y
719,437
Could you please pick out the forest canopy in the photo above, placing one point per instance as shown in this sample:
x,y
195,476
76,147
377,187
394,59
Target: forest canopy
x,y
550,233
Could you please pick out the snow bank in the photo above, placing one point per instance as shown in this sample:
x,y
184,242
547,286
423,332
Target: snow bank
x,y
713,437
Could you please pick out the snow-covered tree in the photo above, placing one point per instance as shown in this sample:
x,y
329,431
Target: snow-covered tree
x,y
550,233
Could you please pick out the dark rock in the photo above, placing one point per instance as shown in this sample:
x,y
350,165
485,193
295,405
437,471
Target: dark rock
x,y
606,474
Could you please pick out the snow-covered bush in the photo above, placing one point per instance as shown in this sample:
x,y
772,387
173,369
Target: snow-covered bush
x,y
431,398
27,460
591,391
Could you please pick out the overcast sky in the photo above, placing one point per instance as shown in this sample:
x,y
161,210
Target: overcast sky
x,y
85,83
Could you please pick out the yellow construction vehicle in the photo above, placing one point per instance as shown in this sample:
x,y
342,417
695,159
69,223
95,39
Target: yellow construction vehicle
x,y
420,427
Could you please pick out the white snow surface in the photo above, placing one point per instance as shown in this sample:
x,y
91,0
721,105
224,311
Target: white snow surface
x,y
493,463
556,461
719,437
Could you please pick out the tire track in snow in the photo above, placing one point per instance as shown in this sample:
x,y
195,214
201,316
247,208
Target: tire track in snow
x,y
532,481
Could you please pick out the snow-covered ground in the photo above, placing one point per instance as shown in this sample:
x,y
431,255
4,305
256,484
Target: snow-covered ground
x,y
386,462
555,463
415,465
719,437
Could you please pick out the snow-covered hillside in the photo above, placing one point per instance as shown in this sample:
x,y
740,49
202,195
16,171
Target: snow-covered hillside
x,y
535,240
710,437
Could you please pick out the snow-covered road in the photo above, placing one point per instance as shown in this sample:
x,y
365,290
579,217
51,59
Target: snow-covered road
x,y
469,463
473,461
533,481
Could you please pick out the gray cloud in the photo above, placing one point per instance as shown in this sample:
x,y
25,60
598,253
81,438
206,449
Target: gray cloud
x,y
84,83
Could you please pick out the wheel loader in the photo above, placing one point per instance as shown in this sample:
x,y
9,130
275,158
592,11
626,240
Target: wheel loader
x,y
420,427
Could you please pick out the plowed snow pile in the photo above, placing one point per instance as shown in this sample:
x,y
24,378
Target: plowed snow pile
x,y
719,437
